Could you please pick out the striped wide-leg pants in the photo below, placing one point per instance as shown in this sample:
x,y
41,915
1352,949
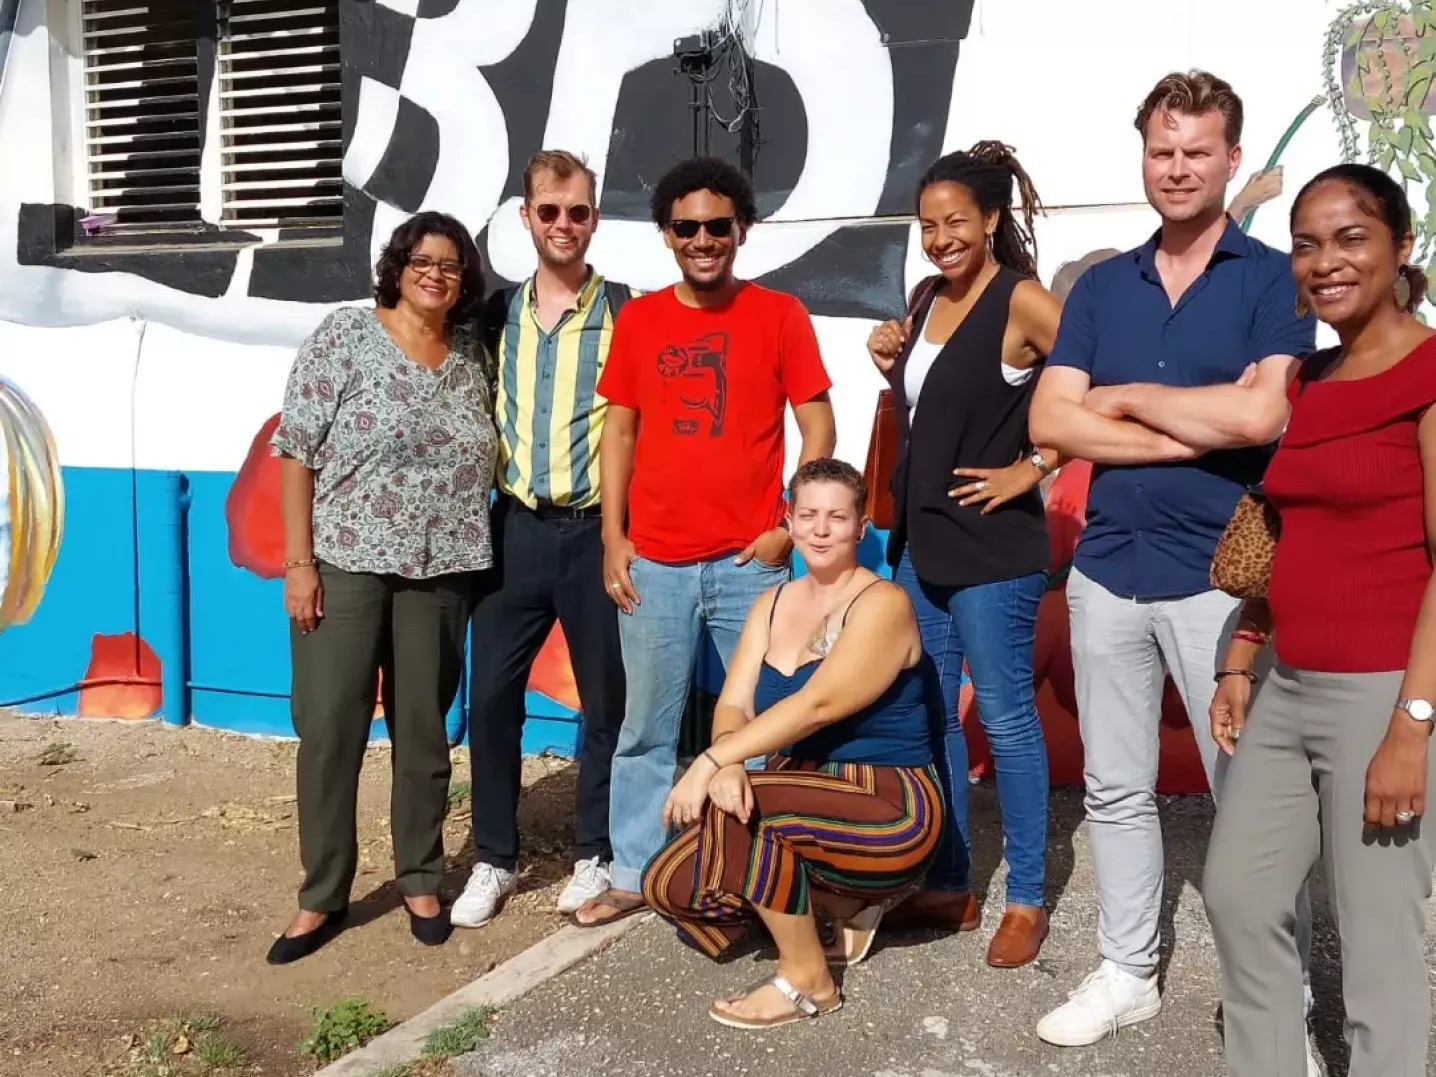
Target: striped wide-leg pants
x,y
852,829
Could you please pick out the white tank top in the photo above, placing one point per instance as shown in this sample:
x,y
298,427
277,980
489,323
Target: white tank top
x,y
924,353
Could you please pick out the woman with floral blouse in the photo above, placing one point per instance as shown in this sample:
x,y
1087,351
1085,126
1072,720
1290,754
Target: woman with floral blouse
x,y
386,449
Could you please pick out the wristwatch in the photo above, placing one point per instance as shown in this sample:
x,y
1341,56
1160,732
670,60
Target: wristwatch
x,y
1040,464
1419,709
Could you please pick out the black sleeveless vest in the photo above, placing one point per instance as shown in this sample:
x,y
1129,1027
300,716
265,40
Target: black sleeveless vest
x,y
967,416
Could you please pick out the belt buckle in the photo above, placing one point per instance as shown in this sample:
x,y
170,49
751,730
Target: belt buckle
x,y
560,512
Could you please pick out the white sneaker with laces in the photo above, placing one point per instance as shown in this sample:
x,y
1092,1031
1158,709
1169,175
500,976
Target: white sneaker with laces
x,y
590,878
484,895
1107,1000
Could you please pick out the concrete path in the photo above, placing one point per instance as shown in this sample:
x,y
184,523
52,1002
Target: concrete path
x,y
920,1006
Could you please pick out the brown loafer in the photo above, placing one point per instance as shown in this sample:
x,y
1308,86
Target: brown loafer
x,y
1019,938
948,910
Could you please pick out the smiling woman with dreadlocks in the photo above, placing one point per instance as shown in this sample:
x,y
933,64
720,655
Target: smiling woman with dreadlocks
x,y
969,539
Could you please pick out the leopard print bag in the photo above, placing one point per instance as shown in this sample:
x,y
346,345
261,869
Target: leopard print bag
x,y
1242,564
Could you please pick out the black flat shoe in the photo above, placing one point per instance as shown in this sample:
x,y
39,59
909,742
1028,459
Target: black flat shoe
x,y
431,930
290,948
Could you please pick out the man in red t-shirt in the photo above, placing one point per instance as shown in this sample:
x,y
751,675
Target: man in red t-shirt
x,y
697,380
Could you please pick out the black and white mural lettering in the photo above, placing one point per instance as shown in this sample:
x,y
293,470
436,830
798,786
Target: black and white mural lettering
x,y
846,102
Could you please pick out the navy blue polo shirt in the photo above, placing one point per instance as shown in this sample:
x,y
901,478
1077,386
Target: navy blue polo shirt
x,y
1152,529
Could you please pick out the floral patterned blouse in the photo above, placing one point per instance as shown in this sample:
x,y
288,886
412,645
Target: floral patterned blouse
x,y
403,456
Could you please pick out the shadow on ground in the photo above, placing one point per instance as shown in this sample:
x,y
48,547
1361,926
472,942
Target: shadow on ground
x,y
923,1005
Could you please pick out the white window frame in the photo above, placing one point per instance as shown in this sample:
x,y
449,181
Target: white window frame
x,y
68,91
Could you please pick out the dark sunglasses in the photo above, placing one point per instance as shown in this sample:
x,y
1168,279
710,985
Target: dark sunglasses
x,y
578,213
717,227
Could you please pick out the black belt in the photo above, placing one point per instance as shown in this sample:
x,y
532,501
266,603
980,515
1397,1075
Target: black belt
x,y
546,511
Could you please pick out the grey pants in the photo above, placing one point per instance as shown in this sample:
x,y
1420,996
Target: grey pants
x,y
1122,650
414,631
1296,792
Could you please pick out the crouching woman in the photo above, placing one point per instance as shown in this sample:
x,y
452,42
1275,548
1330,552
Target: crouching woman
x,y
830,683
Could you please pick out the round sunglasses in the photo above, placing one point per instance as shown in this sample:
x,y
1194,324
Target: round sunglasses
x,y
578,213
717,227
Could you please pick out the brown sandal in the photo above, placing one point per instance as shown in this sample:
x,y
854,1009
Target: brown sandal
x,y
626,906
856,935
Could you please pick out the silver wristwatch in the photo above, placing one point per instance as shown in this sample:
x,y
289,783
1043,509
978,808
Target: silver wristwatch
x,y
1419,709
1039,463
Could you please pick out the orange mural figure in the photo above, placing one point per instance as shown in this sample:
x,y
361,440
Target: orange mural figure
x,y
122,679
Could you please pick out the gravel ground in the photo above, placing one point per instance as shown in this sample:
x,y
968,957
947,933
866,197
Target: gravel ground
x,y
147,869
920,1006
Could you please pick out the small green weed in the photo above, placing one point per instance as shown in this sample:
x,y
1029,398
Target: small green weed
x,y
187,1047
214,1052
203,1022
460,1037
57,755
346,1026
398,1069
156,1043
459,793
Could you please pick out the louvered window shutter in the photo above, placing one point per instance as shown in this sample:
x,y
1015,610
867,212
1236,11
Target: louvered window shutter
x,y
142,118
279,76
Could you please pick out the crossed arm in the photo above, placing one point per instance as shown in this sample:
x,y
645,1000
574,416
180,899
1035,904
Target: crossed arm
x,y
1143,424
1251,411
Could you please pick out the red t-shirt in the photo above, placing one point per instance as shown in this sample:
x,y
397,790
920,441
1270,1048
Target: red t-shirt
x,y
1351,564
710,387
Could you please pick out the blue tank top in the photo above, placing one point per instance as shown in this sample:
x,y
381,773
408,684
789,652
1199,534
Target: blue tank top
x,y
894,730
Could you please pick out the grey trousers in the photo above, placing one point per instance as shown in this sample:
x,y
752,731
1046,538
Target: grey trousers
x,y
414,631
1296,792
1122,649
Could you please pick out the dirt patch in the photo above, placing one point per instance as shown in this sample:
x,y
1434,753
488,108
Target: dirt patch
x,y
146,871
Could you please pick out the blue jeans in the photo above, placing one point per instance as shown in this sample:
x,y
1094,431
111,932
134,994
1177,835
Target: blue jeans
x,y
993,626
660,647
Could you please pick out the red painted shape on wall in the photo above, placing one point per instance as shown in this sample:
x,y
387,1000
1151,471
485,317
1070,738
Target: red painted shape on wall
x,y
552,674
1179,764
251,511
1066,505
123,679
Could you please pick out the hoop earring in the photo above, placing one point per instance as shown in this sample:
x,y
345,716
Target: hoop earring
x,y
1403,291
1302,310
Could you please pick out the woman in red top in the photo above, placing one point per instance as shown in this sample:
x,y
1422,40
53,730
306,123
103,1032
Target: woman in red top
x,y
1335,759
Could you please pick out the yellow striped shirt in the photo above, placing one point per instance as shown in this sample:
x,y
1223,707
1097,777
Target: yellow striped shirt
x,y
548,411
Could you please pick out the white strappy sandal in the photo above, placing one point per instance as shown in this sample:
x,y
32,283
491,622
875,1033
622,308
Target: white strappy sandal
x,y
806,1007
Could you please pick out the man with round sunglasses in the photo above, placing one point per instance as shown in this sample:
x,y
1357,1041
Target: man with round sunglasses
x,y
698,383
549,338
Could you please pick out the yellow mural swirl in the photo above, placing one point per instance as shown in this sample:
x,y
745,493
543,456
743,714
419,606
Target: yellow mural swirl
x,y
32,506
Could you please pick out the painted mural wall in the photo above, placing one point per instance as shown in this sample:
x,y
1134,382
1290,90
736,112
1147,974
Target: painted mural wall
x,y
139,528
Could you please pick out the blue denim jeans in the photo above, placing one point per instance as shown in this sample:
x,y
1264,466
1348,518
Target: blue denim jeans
x,y
994,627
660,647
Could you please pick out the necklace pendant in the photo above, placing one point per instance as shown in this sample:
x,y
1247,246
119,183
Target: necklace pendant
x,y
821,643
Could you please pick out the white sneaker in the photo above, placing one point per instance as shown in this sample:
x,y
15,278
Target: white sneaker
x,y
590,878
1107,1000
483,896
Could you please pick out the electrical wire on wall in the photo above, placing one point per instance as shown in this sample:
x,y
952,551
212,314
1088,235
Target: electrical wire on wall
x,y
727,56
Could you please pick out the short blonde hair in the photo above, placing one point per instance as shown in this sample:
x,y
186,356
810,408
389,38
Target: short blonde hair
x,y
1194,93
562,164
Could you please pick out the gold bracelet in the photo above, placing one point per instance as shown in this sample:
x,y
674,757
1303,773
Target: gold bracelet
x,y
303,562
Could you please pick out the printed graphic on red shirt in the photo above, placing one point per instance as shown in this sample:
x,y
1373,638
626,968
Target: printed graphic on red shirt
x,y
695,385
